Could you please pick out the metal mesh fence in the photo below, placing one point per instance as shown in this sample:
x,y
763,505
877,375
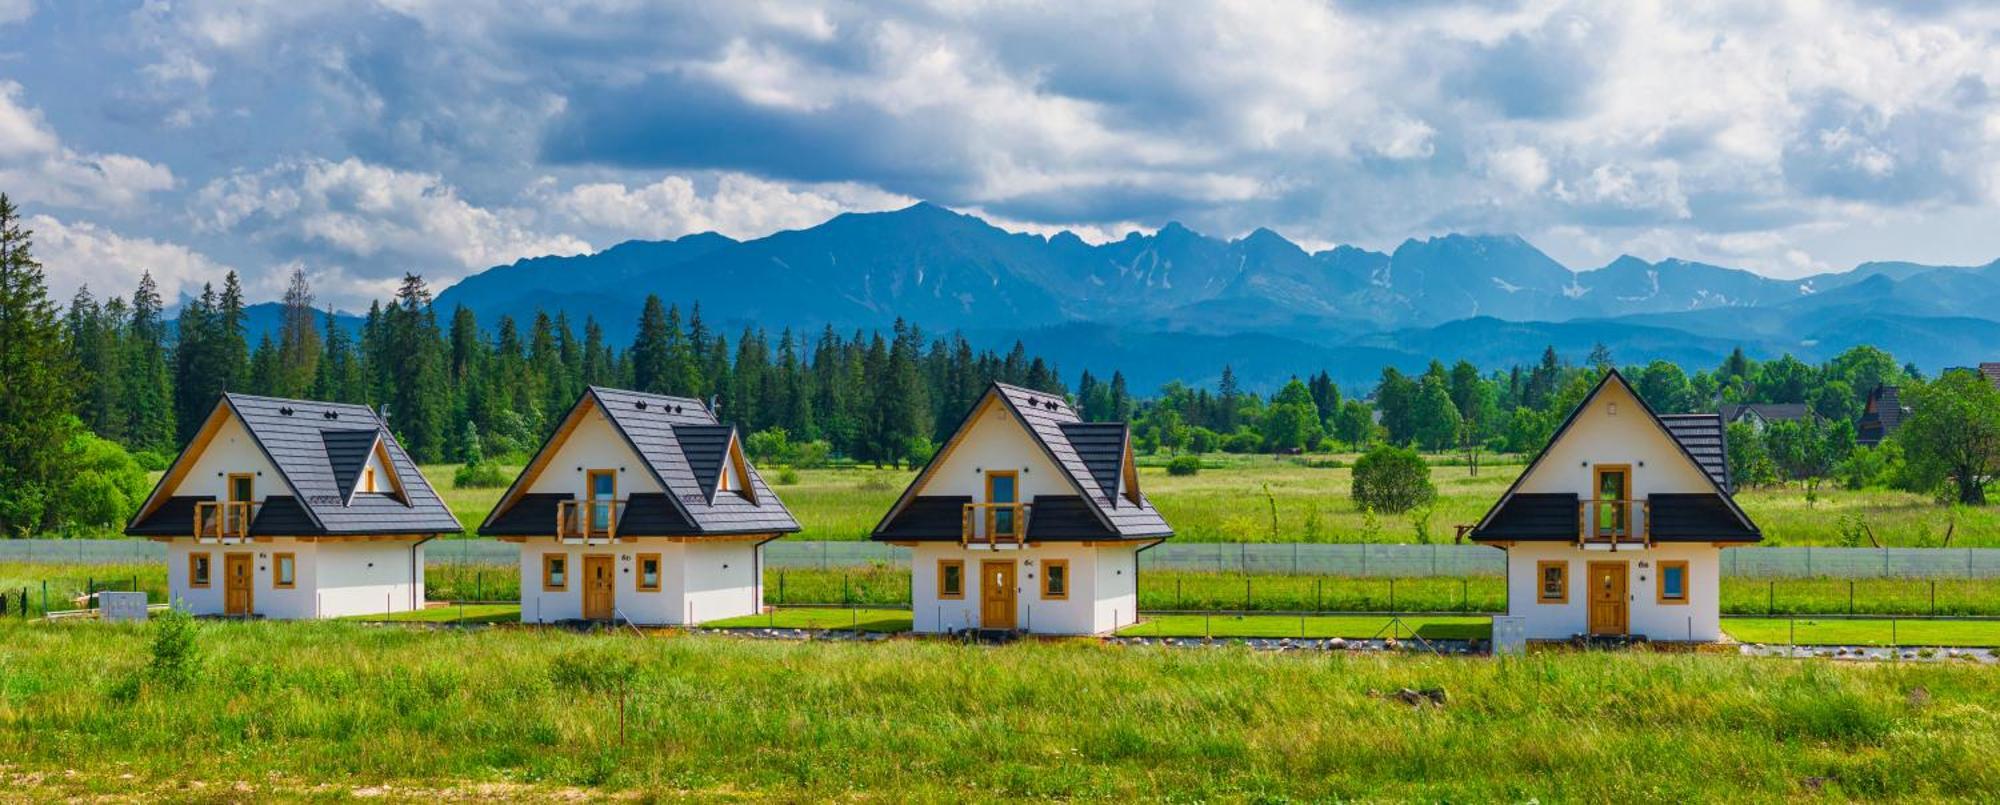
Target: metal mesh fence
x,y
1371,560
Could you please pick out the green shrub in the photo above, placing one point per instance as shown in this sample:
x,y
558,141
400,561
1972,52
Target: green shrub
x,y
1392,480
482,475
150,460
176,656
788,477
1184,465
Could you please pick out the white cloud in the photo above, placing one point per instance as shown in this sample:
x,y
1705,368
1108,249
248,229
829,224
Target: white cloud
x,y
12,11
1520,167
739,206
78,253
372,221
36,166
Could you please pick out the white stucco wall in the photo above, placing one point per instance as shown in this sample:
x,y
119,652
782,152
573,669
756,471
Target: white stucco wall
x,y
1699,619
994,440
332,579
699,581
231,451
1600,437
593,445
1103,591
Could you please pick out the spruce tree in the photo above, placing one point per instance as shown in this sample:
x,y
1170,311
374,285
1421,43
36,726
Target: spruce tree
x,y
147,386
650,372
36,383
94,333
195,382
298,340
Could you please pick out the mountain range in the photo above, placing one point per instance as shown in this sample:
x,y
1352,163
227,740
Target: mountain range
x,y
1177,304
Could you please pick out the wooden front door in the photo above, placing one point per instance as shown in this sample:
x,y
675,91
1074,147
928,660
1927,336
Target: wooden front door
x,y
599,594
996,594
236,575
1609,605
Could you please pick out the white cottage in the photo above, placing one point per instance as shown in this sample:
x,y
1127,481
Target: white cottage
x,y
293,509
1027,519
640,508
1618,526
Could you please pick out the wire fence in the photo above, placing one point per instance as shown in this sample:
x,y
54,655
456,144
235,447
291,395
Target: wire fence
x,y
1367,560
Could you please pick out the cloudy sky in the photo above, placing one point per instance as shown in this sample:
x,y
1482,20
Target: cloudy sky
x,y
360,140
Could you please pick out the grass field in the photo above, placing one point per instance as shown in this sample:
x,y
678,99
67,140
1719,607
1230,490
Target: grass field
x,y
1863,632
337,710
1312,626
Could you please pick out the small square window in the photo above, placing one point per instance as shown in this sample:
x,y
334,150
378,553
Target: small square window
x,y
951,578
649,572
197,570
284,571
555,572
1552,582
1673,582
1055,578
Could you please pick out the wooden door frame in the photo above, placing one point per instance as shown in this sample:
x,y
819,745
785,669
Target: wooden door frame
x,y
611,561
1013,593
1597,472
1590,600
249,582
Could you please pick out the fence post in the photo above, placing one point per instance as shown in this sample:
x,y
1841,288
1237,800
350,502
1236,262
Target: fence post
x,y
1771,597
1177,592
1933,597
1246,592
1850,596
1319,586
1464,594
781,595
843,588
1392,594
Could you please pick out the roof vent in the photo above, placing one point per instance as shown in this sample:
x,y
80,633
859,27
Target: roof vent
x,y
286,410
1034,403
677,409
1052,405
639,404
331,414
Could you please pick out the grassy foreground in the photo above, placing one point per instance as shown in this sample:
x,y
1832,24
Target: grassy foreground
x,y
336,709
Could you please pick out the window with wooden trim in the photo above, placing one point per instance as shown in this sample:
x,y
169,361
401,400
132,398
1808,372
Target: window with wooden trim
x,y
1003,489
649,572
284,571
951,578
1551,582
368,480
555,572
1672,582
198,569
1055,579
602,487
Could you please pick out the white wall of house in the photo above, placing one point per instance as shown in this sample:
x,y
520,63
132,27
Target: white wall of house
x,y
232,451
699,581
593,445
331,579
1698,619
996,441
1103,588
1627,437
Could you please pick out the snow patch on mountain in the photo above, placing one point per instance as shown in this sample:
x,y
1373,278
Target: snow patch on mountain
x,y
1506,286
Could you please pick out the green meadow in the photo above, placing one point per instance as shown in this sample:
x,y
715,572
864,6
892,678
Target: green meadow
x,y
342,710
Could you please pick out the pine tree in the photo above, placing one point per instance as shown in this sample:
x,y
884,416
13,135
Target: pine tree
x,y
650,370
147,384
36,383
95,350
196,385
417,396
266,373
232,344
298,340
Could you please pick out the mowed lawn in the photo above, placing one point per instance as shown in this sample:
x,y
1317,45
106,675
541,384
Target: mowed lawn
x,y
1807,631
339,710
1274,499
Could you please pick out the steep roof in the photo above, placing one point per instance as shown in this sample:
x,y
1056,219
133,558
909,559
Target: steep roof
x,y
1884,414
1769,412
1700,437
318,448
1091,456
685,448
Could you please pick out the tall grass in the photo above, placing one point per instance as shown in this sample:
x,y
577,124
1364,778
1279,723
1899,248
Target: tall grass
x,y
331,709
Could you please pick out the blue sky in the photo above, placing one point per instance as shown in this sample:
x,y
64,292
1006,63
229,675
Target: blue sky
x,y
361,140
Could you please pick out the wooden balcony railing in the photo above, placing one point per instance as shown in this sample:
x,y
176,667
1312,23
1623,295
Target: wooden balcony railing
x,y
223,521
1612,522
587,519
994,524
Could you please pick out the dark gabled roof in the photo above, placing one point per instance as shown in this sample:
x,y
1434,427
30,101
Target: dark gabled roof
x,y
651,514
1058,518
173,518
346,454
684,447
707,450
281,515
1101,447
1532,516
1693,429
532,515
1049,420
1769,412
1695,517
927,518
1884,414
1704,438
294,435
1991,370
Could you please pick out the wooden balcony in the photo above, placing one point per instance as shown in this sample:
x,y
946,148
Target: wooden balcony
x,y
994,524
588,520
225,521
1607,522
